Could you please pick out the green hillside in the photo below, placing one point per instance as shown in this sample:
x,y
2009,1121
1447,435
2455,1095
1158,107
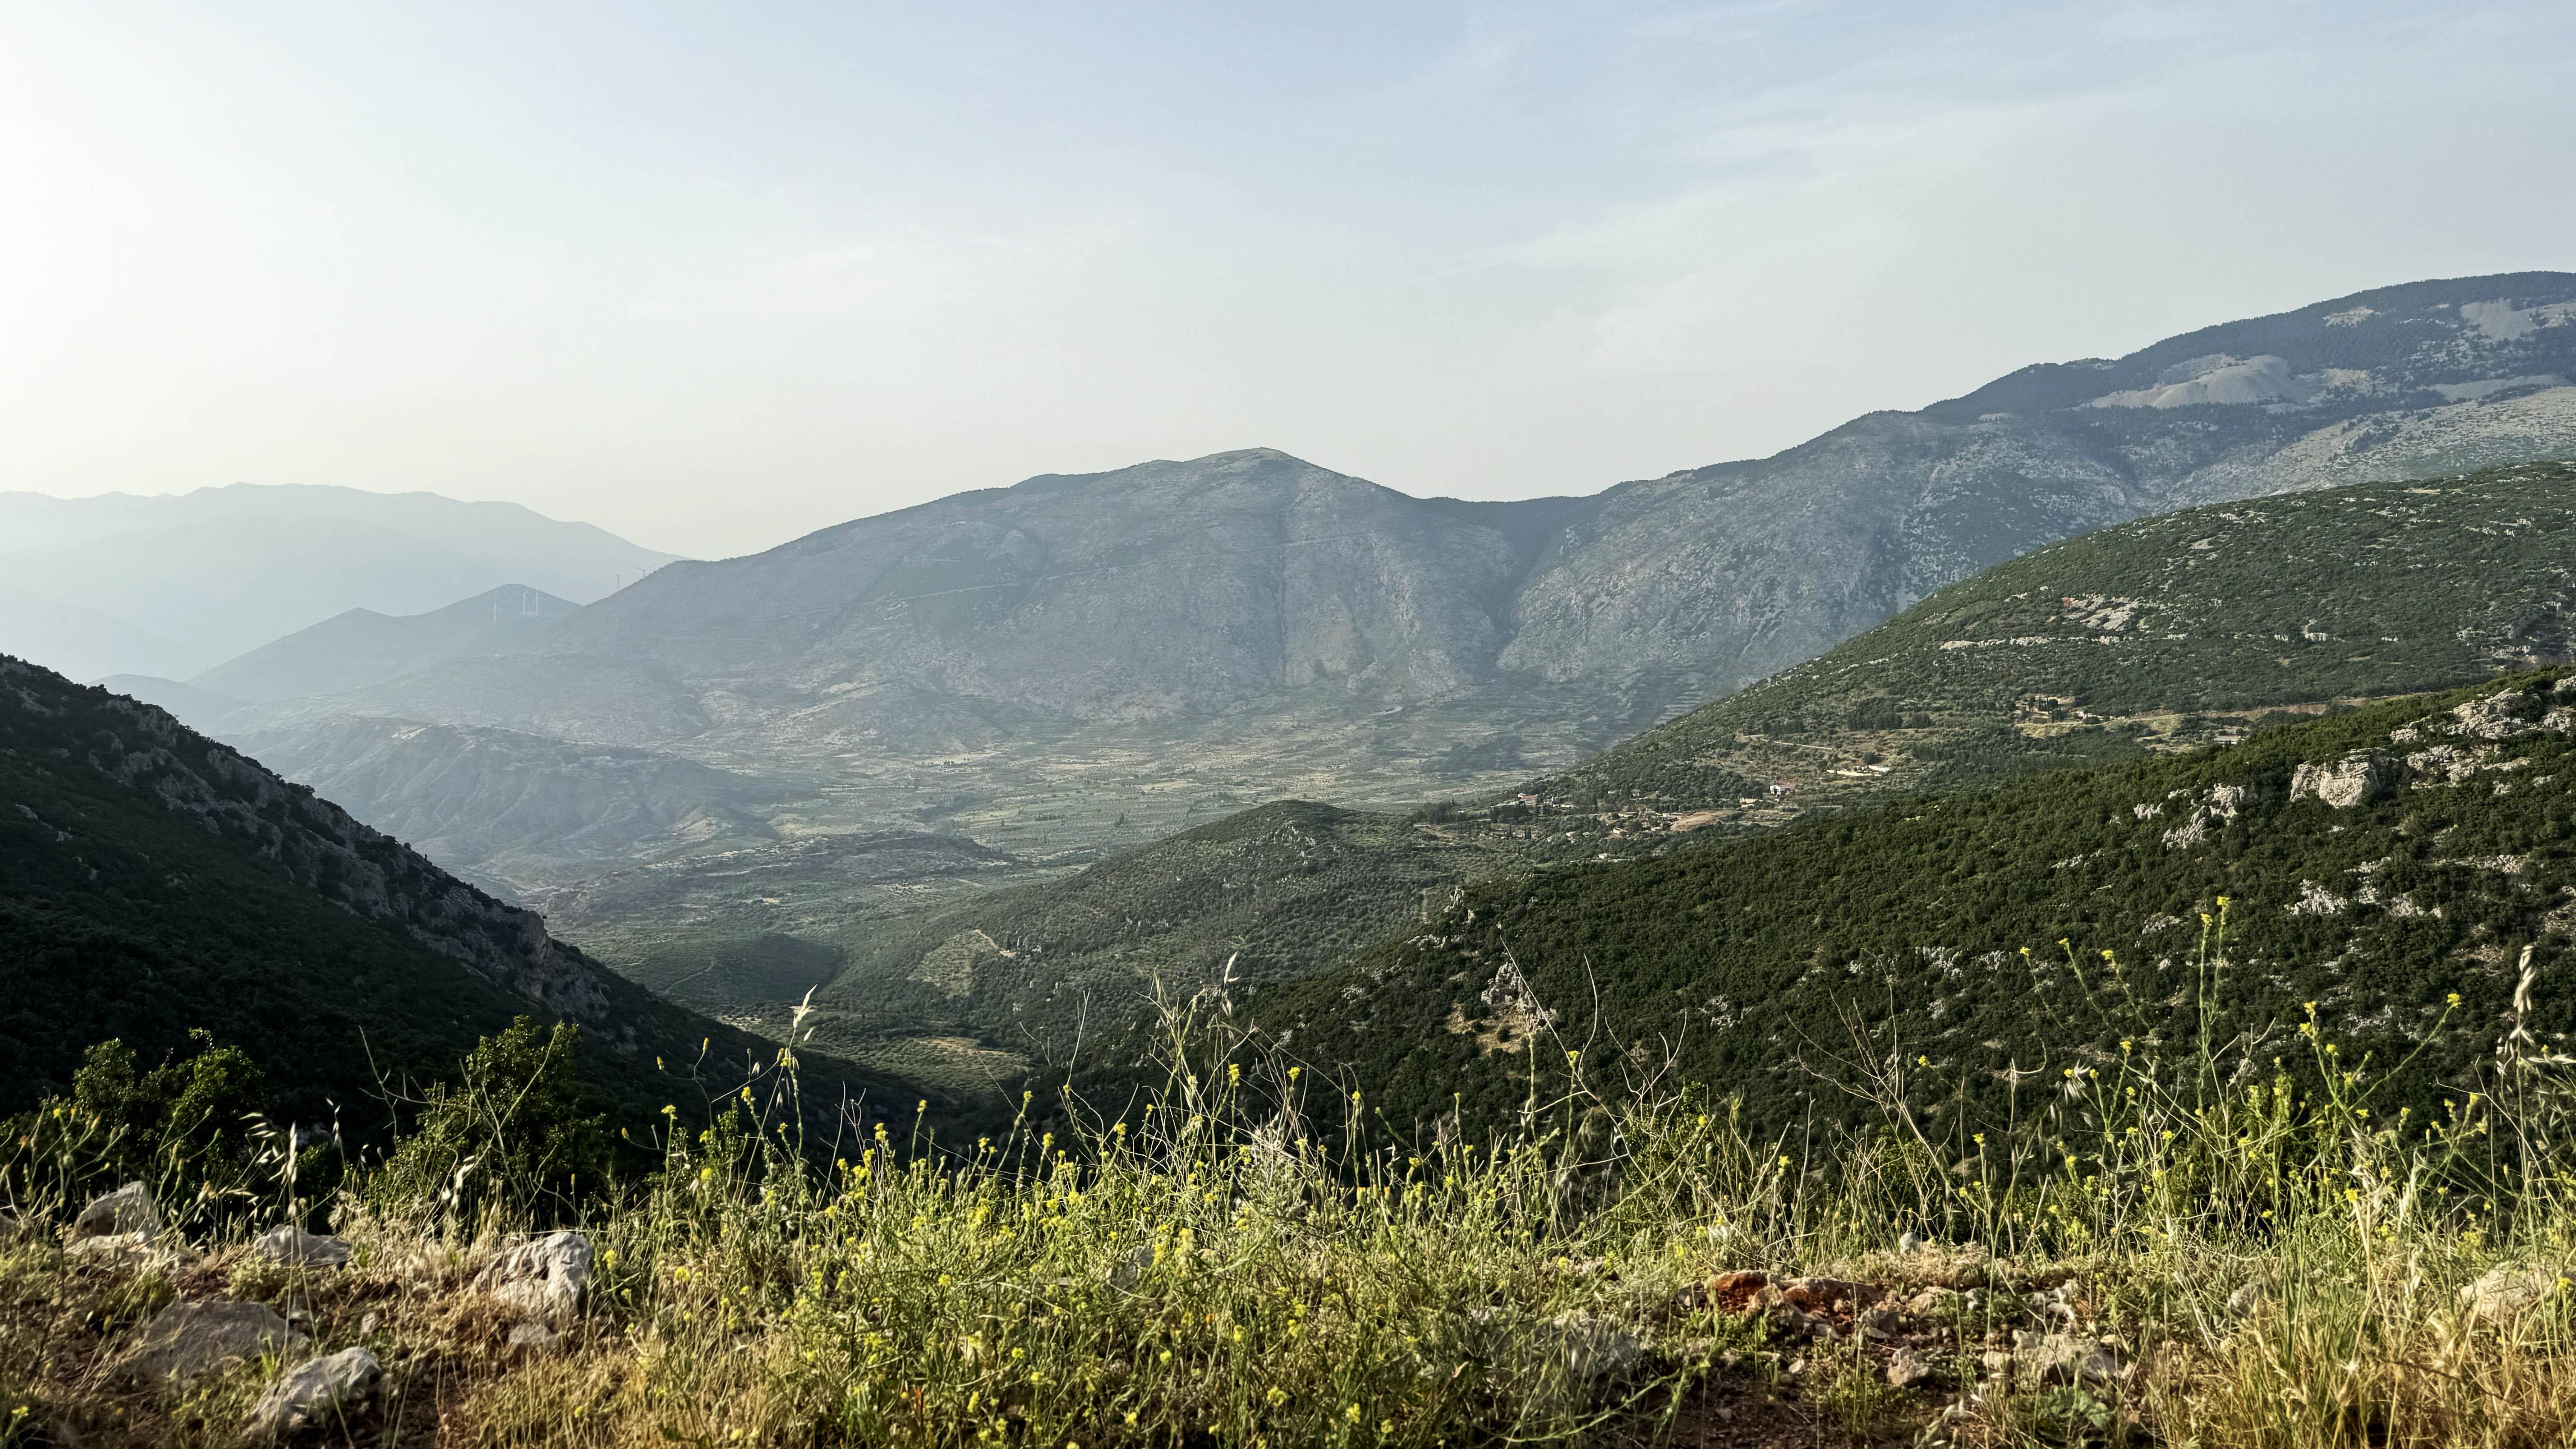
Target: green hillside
x,y
974,991
2166,633
2450,850
155,883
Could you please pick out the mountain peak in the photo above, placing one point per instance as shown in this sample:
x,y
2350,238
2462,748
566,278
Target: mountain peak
x,y
1213,465
361,646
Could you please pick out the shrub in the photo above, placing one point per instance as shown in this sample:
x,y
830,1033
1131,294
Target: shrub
x,y
518,1133
194,1129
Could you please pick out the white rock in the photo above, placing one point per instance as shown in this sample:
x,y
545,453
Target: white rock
x,y
544,1278
2242,1303
290,1245
2505,1291
129,1209
1906,1368
191,1340
138,1252
2496,717
2347,782
2062,1358
2316,900
2218,806
314,1392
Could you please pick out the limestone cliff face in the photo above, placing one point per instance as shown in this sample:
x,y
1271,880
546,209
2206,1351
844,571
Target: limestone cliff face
x,y
1684,587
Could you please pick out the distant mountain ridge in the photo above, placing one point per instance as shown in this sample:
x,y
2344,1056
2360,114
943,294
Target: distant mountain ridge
x,y
198,709
362,647
2418,342
1195,589
87,642
193,579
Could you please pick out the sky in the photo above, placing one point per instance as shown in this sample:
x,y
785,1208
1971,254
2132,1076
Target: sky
x,y
714,275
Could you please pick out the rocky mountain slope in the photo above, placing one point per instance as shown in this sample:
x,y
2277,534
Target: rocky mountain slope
x,y
1289,631
2169,632
153,882
187,580
2161,636
2403,872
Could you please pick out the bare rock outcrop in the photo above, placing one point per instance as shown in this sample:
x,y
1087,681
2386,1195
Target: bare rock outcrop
x,y
314,1392
2505,1292
191,1340
2215,807
544,1278
296,1248
2064,1358
129,1209
2347,782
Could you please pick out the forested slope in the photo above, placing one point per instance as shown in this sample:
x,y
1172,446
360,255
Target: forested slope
x,y
2372,864
1269,894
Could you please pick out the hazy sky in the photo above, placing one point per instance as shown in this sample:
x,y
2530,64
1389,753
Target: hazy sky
x,y
712,275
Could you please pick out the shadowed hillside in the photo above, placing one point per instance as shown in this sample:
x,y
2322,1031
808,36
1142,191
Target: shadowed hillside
x,y
153,882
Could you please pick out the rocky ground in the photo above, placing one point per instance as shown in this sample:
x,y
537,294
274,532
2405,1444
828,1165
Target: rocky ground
x,y
318,1339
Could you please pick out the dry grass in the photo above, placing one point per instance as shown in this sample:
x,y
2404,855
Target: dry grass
x,y
2273,1266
